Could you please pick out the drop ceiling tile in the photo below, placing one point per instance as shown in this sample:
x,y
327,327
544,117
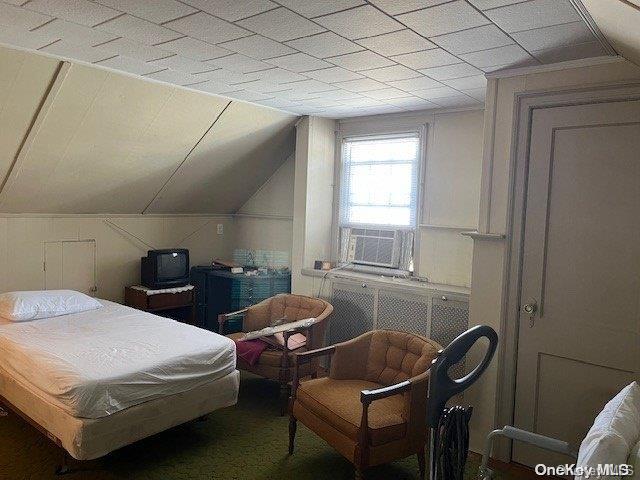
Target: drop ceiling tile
x,y
249,96
278,103
173,76
339,95
451,71
487,4
279,75
473,39
215,87
158,11
395,7
386,93
533,14
180,64
571,52
311,86
262,86
133,49
78,11
208,28
420,83
138,29
21,37
426,59
322,103
511,55
297,95
257,46
238,63
445,18
232,10
457,101
477,93
194,49
412,103
127,64
281,24
387,74
325,44
299,62
222,75
477,81
334,74
21,18
362,85
84,53
314,8
433,93
360,22
362,102
554,37
74,33
364,60
397,43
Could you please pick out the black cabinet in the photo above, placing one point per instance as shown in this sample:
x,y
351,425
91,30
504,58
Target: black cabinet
x,y
220,291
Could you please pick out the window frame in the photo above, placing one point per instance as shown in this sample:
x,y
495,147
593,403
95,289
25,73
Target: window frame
x,y
363,130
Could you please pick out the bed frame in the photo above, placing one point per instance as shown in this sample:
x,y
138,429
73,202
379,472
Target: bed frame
x,y
162,414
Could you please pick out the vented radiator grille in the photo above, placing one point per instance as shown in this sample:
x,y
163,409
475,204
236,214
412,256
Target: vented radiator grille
x,y
406,313
449,318
352,314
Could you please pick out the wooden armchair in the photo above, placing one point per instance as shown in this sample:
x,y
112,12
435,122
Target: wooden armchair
x,y
372,406
276,363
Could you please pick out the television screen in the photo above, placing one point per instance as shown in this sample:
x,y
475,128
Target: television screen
x,y
172,265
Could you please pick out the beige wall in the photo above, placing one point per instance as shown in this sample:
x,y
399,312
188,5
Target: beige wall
x,y
451,187
265,221
489,255
118,248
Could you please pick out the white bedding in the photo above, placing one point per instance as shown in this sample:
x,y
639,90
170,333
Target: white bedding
x,y
95,363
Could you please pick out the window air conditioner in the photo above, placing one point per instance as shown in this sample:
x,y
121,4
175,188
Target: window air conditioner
x,y
379,248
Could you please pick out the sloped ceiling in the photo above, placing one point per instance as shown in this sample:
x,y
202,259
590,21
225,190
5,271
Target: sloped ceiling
x,y
619,21
79,139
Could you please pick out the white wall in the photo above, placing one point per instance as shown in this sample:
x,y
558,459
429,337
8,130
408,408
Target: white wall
x,y
489,255
118,251
451,187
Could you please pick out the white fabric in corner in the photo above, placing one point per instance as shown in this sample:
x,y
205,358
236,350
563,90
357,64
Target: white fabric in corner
x,y
32,305
614,432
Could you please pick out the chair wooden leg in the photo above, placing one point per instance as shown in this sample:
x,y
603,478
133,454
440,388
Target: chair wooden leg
x,y
359,474
284,398
422,463
293,426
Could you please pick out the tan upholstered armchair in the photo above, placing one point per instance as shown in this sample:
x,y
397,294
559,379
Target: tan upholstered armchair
x,y
277,363
372,406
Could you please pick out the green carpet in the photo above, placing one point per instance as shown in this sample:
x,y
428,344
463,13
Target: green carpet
x,y
247,441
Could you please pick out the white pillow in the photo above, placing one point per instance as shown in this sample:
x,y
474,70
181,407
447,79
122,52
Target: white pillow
x,y
614,432
31,305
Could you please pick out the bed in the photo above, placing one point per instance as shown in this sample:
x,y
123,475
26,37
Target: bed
x,y
101,379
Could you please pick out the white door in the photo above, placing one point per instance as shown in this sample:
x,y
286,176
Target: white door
x,y
580,270
70,265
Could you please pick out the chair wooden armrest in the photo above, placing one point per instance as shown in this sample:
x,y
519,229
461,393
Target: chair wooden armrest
x,y
304,357
368,396
223,317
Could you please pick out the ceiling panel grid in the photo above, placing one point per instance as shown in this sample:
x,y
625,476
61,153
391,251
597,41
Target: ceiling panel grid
x,y
307,53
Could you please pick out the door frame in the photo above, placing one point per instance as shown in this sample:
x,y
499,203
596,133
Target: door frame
x,y
525,103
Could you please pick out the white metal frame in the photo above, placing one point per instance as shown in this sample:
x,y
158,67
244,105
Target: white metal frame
x,y
418,125
524,105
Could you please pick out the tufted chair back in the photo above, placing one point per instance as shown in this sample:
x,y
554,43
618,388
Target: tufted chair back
x,y
383,356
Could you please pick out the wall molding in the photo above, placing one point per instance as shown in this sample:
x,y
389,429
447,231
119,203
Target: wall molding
x,y
553,67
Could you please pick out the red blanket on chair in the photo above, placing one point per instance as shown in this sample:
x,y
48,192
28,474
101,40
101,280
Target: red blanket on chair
x,y
250,350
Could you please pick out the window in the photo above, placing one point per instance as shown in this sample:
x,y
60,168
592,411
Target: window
x,y
379,200
380,181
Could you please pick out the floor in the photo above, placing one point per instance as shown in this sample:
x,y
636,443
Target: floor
x,y
248,441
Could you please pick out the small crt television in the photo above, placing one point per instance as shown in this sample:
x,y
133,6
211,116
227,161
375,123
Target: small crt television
x,y
167,268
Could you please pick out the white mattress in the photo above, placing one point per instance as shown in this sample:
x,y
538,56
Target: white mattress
x,y
96,363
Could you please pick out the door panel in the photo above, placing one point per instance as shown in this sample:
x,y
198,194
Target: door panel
x,y
580,267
